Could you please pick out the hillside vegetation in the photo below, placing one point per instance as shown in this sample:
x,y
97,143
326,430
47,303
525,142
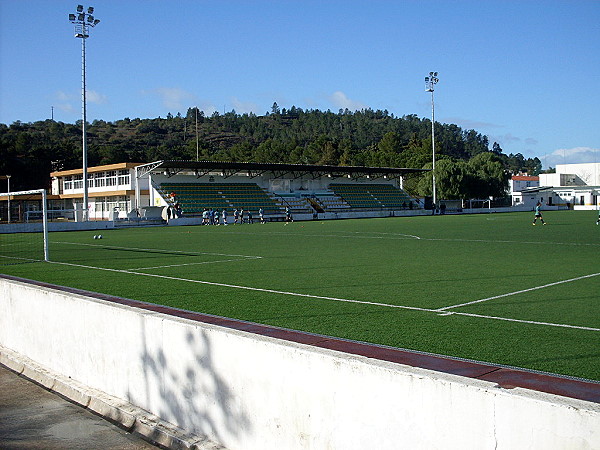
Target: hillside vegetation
x,y
30,151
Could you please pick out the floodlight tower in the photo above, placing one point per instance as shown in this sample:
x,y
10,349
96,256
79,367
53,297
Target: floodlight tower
x,y
430,82
83,21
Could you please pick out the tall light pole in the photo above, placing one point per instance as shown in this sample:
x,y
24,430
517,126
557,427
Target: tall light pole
x,y
430,82
197,149
83,21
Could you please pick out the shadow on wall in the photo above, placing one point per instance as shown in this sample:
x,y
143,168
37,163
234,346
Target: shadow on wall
x,y
183,387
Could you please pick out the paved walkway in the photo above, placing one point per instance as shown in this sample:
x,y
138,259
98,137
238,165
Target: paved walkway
x,y
33,418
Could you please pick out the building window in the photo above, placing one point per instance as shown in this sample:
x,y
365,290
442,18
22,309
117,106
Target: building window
x,y
124,177
111,178
99,179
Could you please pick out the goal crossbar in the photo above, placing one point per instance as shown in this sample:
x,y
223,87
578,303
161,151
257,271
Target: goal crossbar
x,y
41,192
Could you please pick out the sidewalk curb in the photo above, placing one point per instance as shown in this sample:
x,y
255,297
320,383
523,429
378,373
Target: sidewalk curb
x,y
115,410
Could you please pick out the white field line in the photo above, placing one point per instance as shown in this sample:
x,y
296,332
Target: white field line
x,y
532,322
353,235
295,294
185,252
490,241
535,288
21,259
198,263
381,235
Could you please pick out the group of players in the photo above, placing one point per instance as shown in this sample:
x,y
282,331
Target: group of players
x,y
240,216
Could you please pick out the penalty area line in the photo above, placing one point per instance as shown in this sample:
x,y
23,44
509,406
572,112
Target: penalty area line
x,y
198,263
522,291
150,250
320,297
531,322
248,288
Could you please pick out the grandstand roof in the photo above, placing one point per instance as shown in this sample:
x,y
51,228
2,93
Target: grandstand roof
x,y
279,170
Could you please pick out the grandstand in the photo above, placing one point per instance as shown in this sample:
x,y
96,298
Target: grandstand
x,y
372,196
195,197
307,191
133,192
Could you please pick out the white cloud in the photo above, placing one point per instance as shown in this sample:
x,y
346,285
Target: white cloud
x,y
573,155
174,99
470,124
71,102
66,107
531,141
64,102
96,97
243,107
510,138
340,100
62,96
207,107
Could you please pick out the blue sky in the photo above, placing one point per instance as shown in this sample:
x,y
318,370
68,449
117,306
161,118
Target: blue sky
x,y
525,73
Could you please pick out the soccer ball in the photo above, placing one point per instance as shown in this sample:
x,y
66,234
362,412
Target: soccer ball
x,y
99,236
95,237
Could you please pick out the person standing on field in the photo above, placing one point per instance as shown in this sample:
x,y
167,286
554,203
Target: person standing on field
x,y
538,214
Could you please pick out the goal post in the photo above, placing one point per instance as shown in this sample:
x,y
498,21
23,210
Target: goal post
x,y
32,203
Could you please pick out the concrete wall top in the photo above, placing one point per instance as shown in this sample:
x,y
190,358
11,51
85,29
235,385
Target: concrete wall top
x,y
504,377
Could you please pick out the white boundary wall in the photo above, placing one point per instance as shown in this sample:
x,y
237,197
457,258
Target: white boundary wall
x,y
253,392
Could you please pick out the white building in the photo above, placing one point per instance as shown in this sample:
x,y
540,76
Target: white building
x,y
111,188
573,186
519,183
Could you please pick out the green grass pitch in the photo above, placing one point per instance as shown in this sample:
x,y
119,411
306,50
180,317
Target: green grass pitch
x,y
488,287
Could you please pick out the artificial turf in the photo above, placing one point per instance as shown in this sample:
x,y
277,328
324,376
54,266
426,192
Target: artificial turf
x,y
256,273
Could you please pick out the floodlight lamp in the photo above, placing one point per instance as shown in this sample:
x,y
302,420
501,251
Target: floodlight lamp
x,y
71,17
426,79
91,10
81,17
79,8
96,22
90,19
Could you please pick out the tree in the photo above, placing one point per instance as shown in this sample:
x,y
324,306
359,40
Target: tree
x,y
361,138
490,177
451,179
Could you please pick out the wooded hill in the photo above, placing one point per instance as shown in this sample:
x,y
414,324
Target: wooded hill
x,y
30,151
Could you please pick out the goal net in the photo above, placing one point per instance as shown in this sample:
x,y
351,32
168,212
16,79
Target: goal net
x,y
23,227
